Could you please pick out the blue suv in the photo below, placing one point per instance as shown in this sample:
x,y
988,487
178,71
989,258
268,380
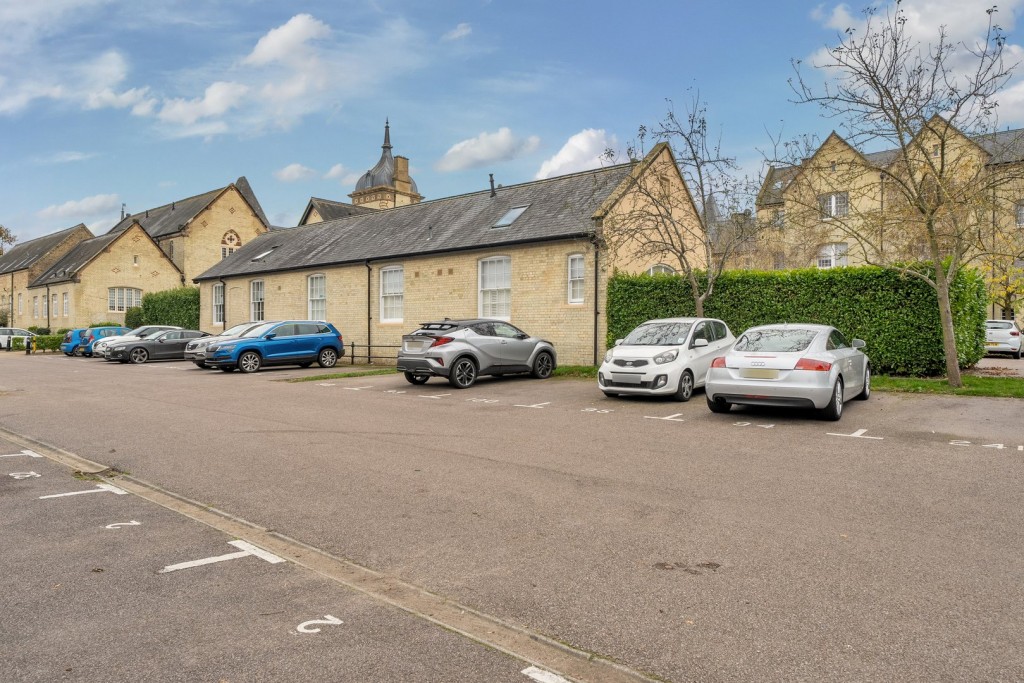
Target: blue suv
x,y
284,342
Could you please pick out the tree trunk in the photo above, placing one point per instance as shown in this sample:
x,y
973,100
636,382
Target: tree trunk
x,y
946,319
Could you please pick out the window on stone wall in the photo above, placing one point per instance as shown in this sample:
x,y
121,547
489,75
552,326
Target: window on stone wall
x,y
53,305
392,294
46,306
122,298
576,279
20,311
35,307
835,205
256,300
832,255
661,269
218,303
495,284
228,243
317,288
67,305
1020,214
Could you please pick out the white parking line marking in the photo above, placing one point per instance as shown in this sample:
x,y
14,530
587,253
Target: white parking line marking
x,y
358,388
394,391
436,396
23,475
100,488
670,418
31,454
328,620
859,434
542,676
535,405
602,411
326,384
246,550
118,525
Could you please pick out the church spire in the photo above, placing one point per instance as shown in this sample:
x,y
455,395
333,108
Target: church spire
x,y
387,135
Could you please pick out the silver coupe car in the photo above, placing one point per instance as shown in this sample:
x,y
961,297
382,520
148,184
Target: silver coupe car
x,y
463,350
799,366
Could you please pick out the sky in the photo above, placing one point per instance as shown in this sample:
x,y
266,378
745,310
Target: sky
x,y
105,103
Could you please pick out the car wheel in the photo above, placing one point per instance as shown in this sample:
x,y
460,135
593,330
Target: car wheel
x,y
1016,354
328,358
138,356
77,351
463,373
717,405
416,379
201,366
685,390
87,355
543,366
611,394
249,361
834,410
865,393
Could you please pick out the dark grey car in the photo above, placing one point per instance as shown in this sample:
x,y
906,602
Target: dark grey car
x,y
463,350
167,345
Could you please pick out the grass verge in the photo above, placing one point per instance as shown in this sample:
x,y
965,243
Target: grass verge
x,y
999,387
340,375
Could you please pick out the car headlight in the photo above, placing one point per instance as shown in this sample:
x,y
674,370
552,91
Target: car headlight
x,y
229,347
666,357
608,356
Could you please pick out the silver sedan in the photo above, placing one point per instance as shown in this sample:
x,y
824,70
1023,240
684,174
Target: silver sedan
x,y
799,366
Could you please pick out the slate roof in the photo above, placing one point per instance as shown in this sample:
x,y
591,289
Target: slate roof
x,y
172,218
559,208
330,209
24,255
67,267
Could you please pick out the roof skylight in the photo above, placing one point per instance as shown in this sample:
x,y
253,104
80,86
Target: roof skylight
x,y
510,216
268,252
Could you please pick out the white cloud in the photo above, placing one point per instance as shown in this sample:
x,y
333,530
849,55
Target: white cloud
x,y
65,157
288,41
218,99
458,33
294,172
337,171
83,210
583,151
486,148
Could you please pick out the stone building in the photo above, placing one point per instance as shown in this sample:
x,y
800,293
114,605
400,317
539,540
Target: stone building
x,y
532,254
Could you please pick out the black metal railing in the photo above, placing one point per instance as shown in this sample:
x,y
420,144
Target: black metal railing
x,y
372,357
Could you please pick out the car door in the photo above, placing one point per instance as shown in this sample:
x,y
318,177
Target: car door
x,y
516,346
701,356
850,362
5,333
280,346
307,340
487,345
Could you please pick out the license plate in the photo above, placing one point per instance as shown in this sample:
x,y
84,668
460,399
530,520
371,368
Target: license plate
x,y
627,379
759,373
991,343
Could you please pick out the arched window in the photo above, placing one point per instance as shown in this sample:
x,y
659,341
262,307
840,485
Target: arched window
x,y
228,243
661,269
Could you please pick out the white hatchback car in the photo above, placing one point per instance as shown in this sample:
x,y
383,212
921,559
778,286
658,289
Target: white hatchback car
x,y
664,357
1002,336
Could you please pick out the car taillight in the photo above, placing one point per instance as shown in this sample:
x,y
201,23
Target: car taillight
x,y
1014,333
440,341
341,340
718,362
813,365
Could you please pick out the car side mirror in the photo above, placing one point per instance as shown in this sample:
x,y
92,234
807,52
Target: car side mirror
x,y
522,335
697,343
270,335
859,343
618,341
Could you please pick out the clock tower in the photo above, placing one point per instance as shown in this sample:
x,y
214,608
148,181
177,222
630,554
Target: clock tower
x,y
387,184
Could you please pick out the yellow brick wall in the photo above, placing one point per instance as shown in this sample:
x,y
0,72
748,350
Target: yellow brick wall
x,y
437,287
11,284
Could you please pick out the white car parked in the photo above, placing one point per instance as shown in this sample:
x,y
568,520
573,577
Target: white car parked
x,y
664,357
9,333
1002,336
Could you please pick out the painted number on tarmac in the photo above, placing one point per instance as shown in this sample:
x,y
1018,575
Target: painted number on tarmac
x,y
482,400
23,475
751,424
328,620
997,446
602,411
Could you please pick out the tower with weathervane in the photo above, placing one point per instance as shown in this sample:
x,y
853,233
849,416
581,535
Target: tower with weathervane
x,y
387,184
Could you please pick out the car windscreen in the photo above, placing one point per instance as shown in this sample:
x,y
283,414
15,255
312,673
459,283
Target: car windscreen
x,y
779,341
999,325
659,334
137,331
259,330
236,330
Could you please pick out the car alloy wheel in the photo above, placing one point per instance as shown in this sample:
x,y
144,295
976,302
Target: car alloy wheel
x,y
543,366
865,393
138,356
328,358
834,410
77,351
249,361
416,379
463,374
685,390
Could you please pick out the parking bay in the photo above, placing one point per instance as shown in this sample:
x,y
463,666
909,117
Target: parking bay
x,y
658,533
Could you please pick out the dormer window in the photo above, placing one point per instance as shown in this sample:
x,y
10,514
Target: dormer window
x,y
510,217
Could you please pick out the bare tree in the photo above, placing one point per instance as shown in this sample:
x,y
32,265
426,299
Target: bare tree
x,y
6,238
932,191
691,210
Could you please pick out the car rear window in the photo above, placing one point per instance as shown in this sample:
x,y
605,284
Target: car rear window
x,y
658,334
779,341
999,325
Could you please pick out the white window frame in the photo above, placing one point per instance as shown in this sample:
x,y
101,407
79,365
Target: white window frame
x,y
67,304
21,310
53,305
257,306
834,205
833,255
662,269
46,306
1020,214
35,307
217,296
316,293
120,299
392,294
577,278
494,288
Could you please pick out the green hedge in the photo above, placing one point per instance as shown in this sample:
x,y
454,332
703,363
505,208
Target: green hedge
x,y
898,316
41,342
172,307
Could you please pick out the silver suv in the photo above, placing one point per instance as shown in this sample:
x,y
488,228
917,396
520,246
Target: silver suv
x,y
462,350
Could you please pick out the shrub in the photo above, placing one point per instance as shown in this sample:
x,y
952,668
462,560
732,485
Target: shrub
x,y
46,342
172,307
62,331
897,315
106,324
36,329
134,317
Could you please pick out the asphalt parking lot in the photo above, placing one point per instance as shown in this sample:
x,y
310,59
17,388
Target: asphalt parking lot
x,y
684,545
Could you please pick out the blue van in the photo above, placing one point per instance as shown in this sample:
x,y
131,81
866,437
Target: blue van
x,y
72,344
94,334
283,342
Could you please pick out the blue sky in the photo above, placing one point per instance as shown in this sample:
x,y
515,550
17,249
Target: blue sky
x,y
104,102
